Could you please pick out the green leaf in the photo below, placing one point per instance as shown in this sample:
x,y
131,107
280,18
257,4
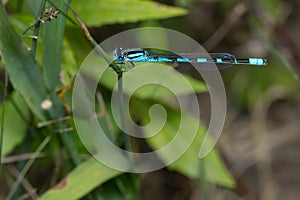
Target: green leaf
x,y
96,13
81,181
161,37
22,69
53,33
188,163
155,79
78,43
160,82
13,135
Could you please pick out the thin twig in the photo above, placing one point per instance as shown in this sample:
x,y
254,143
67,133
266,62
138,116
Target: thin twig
x,y
31,191
26,168
50,122
2,116
97,47
238,11
20,157
37,27
30,27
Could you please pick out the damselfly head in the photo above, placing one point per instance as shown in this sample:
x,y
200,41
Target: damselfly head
x,y
118,55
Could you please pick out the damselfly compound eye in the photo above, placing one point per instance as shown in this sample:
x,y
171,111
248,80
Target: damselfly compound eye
x,y
118,54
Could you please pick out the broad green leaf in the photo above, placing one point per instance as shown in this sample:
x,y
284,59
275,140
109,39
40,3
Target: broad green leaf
x,y
53,33
78,43
14,135
100,12
161,36
22,69
158,81
188,163
81,181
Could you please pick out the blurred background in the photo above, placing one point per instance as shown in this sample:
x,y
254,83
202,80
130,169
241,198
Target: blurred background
x,y
260,143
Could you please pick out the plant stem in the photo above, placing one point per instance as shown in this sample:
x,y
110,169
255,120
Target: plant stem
x,y
203,180
97,47
37,27
121,104
2,117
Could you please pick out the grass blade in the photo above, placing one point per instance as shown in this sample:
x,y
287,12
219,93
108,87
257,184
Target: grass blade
x,y
22,69
96,13
81,181
53,34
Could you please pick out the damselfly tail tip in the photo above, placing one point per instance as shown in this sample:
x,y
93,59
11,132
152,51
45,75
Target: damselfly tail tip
x,y
258,61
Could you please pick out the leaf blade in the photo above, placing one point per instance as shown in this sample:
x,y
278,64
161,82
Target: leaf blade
x,y
188,162
89,174
96,13
13,135
53,33
21,66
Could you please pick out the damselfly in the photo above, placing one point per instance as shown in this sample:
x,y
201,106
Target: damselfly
x,y
221,60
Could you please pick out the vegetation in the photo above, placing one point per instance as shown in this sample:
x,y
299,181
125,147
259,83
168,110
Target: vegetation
x,y
43,43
